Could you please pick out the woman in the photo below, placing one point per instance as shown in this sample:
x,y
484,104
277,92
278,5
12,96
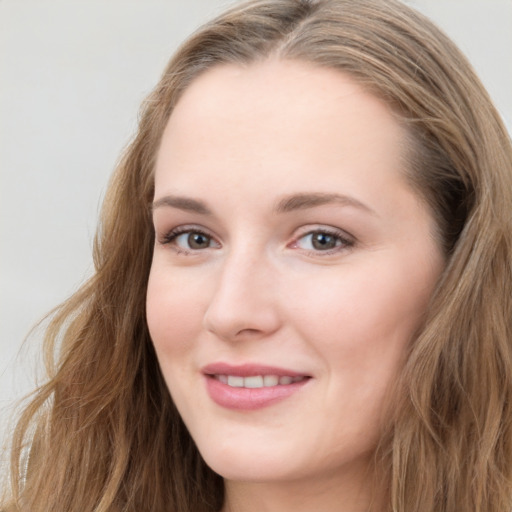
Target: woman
x,y
308,247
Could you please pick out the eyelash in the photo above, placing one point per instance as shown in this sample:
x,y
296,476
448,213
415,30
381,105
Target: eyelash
x,y
171,236
342,239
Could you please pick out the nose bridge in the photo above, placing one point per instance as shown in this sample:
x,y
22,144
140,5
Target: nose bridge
x,y
243,301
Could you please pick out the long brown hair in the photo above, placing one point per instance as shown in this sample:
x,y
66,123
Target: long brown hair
x,y
103,434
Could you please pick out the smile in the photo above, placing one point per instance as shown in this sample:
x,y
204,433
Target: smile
x,y
251,386
257,381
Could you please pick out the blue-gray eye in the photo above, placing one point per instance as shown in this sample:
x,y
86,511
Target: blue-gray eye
x,y
193,240
321,241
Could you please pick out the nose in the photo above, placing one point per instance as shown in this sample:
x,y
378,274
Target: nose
x,y
244,301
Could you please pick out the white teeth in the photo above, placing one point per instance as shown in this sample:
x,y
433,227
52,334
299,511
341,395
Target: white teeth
x,y
235,382
253,382
270,380
257,381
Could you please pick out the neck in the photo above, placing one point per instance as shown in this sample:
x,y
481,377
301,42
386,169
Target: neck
x,y
328,493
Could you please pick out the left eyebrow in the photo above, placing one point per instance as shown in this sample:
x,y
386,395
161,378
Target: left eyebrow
x,y
182,203
303,201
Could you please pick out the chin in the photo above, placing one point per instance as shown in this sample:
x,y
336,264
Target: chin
x,y
251,471
247,464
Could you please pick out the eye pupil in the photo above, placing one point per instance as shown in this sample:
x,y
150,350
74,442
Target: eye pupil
x,y
198,241
323,241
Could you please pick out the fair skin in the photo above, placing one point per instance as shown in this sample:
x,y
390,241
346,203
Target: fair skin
x,y
290,251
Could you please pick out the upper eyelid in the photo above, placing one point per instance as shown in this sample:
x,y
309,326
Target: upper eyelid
x,y
307,230
180,230
185,228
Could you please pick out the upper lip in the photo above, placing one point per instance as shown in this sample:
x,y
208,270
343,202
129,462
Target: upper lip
x,y
248,370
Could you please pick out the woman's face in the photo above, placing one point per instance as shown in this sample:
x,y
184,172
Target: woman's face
x,y
292,266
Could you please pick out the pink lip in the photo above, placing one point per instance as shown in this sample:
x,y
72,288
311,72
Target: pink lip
x,y
247,370
249,398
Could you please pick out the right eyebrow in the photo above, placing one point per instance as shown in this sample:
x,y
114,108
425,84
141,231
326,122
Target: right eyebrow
x,y
182,203
303,201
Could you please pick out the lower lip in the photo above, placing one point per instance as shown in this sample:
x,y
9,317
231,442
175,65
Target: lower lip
x,y
249,398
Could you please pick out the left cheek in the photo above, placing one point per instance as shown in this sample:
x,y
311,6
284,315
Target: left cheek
x,y
174,317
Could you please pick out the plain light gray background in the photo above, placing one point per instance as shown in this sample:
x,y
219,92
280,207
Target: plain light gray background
x,y
72,76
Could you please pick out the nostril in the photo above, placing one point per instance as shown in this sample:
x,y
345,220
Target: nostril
x,y
248,332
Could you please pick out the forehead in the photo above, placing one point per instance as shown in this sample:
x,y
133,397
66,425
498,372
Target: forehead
x,y
283,121
284,90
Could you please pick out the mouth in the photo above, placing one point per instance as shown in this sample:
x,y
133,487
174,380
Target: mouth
x,y
249,387
258,381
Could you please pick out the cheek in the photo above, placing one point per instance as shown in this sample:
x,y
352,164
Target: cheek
x,y
364,316
174,313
